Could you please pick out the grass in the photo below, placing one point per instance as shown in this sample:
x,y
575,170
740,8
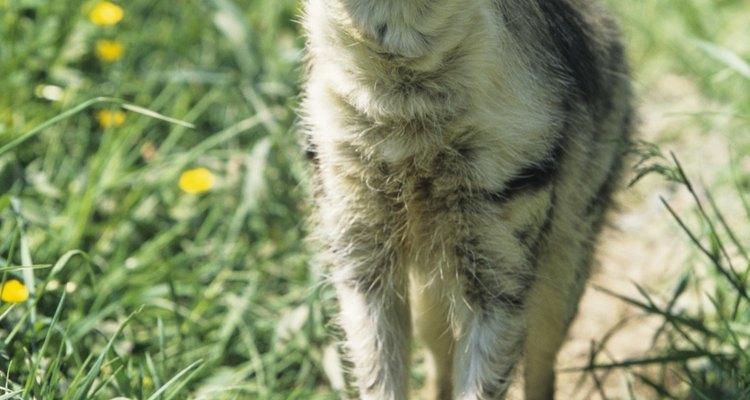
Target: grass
x,y
167,294
701,349
140,290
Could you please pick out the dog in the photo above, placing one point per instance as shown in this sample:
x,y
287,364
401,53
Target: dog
x,y
463,155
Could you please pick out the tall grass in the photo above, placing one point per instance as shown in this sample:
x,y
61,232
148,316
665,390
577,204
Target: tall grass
x,y
142,291
701,349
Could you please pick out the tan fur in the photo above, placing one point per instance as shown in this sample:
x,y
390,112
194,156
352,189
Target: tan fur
x,y
464,152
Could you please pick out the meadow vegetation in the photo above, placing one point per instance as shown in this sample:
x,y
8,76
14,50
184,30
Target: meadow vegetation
x,y
152,203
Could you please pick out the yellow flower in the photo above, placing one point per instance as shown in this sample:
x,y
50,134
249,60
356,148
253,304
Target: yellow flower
x,y
13,291
106,13
110,118
196,180
109,50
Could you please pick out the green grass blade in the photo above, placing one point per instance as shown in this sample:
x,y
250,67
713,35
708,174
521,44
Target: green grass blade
x,y
82,391
675,357
63,261
174,380
11,395
154,373
4,202
78,376
155,115
51,377
679,290
162,346
723,222
223,136
23,267
729,58
692,323
105,382
64,115
658,388
25,253
707,219
83,106
38,360
731,278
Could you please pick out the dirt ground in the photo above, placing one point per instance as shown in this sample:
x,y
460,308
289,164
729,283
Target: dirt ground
x,y
643,244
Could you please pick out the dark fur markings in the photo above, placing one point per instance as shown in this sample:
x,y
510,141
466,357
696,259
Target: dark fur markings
x,y
571,35
532,177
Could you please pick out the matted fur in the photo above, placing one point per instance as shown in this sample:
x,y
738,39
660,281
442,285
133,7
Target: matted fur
x,y
463,156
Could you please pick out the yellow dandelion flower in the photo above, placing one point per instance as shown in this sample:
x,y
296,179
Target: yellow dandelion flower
x,y
106,13
110,118
13,291
109,50
196,180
